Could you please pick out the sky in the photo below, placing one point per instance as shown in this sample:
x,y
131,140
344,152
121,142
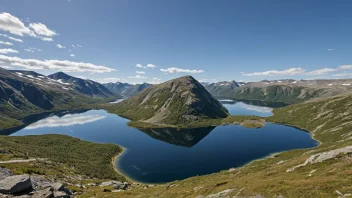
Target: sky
x,y
153,41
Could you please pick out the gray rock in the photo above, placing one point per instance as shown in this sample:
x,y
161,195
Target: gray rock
x,y
15,184
61,194
45,193
56,186
40,182
4,172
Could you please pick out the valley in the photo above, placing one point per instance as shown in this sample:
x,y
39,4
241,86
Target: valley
x,y
186,135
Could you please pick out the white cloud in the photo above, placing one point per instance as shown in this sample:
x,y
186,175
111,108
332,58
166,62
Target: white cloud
x,y
46,39
331,49
173,70
320,71
147,66
6,43
72,55
60,46
78,45
28,50
32,49
140,66
15,39
42,29
151,66
287,72
137,77
108,80
344,67
61,65
140,72
73,45
158,79
13,25
342,74
7,51
11,38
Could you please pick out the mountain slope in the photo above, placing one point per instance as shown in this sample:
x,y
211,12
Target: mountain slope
x,y
126,89
221,88
176,101
86,87
285,91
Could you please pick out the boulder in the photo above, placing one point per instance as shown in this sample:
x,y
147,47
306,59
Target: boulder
x,y
4,172
15,184
45,193
40,182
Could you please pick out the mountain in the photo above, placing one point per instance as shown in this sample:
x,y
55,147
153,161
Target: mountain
x,y
177,101
86,87
221,88
290,91
126,89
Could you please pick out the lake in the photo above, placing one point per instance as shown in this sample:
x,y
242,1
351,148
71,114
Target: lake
x,y
164,155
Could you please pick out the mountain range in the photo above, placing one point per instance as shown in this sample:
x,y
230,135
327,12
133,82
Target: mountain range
x,y
26,92
126,89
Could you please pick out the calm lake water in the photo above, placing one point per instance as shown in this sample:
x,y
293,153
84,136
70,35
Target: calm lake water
x,y
163,155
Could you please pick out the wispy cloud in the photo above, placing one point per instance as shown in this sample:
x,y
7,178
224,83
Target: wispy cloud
x,y
6,43
60,46
173,70
12,38
287,72
7,51
137,77
321,71
140,72
61,65
72,55
331,49
108,80
152,66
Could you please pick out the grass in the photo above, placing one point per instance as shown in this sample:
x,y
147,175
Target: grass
x,y
330,122
84,158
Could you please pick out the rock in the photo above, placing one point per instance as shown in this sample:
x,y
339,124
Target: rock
x,y
4,172
320,157
45,193
61,194
15,184
57,186
40,182
5,152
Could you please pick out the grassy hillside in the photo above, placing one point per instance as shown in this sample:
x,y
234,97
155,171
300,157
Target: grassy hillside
x,y
84,158
330,122
177,101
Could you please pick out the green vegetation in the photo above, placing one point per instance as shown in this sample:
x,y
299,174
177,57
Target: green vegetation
x,y
84,158
205,123
330,122
174,102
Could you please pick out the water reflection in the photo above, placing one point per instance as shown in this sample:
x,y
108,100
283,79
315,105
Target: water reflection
x,y
184,137
66,120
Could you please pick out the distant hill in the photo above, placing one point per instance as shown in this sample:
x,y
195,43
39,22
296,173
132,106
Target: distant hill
x,y
176,101
86,87
126,89
220,89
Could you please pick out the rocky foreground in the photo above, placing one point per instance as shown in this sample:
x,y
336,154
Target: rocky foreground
x,y
37,186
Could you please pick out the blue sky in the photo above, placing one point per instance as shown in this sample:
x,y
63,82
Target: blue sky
x,y
211,40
